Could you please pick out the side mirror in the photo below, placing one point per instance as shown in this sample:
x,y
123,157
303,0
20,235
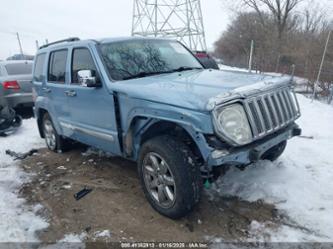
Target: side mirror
x,y
86,78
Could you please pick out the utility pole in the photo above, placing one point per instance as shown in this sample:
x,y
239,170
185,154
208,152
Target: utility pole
x,y
37,45
19,42
321,65
330,98
251,56
156,18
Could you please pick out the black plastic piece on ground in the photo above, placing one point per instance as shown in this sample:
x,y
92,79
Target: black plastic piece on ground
x,y
82,193
20,156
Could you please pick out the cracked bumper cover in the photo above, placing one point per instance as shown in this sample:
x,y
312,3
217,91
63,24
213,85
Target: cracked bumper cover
x,y
254,151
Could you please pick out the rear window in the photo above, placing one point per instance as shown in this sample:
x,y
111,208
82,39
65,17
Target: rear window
x,y
19,68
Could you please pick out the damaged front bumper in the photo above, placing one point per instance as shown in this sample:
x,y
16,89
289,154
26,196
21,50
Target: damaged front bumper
x,y
252,152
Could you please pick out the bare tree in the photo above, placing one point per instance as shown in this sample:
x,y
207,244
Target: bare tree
x,y
303,42
280,9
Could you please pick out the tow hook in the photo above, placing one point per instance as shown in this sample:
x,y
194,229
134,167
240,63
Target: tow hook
x,y
254,155
296,132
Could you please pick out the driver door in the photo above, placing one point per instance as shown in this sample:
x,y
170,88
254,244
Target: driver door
x,y
92,113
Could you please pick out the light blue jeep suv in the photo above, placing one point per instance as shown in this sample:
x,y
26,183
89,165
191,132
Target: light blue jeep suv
x,y
151,101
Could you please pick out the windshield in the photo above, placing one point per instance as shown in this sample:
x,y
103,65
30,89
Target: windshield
x,y
19,68
141,58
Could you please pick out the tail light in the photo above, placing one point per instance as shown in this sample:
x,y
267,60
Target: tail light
x,y
11,85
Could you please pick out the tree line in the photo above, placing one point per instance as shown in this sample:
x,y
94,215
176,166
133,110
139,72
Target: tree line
x,y
285,33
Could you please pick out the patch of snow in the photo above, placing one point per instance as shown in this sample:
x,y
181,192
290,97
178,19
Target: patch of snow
x,y
94,151
299,184
18,223
104,234
73,238
230,68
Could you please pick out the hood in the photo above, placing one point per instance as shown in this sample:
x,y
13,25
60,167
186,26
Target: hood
x,y
197,89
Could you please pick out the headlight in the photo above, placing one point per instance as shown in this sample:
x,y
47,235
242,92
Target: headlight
x,y
232,123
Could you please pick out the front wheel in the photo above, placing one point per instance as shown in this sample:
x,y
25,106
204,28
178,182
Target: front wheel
x,y
169,176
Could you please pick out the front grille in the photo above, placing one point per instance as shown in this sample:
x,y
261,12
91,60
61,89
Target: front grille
x,y
271,111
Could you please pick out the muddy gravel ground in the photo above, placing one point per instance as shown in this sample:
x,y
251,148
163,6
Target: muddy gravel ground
x,y
117,203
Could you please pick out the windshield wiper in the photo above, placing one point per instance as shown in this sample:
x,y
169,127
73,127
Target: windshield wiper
x,y
142,75
181,69
146,74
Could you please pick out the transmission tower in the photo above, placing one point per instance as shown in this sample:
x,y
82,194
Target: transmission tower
x,y
177,19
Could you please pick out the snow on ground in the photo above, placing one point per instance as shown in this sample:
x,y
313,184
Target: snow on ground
x,y
104,233
299,184
18,222
73,238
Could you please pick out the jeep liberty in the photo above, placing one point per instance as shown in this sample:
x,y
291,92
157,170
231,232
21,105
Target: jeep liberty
x,y
151,101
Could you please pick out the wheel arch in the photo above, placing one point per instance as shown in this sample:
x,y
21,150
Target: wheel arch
x,y
40,115
143,128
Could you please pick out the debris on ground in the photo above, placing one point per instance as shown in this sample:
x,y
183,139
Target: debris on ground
x,y
9,121
20,156
307,137
105,233
82,193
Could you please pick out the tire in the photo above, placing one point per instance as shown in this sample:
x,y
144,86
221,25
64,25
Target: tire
x,y
176,184
52,139
275,152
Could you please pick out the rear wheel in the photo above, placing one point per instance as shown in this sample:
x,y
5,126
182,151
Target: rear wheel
x,y
275,152
53,141
169,176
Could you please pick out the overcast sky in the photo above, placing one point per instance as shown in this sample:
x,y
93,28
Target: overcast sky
x,y
58,19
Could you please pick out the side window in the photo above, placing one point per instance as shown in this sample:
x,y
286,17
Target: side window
x,y
57,66
39,67
82,60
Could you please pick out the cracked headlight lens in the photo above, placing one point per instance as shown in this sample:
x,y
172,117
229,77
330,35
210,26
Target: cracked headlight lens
x,y
232,122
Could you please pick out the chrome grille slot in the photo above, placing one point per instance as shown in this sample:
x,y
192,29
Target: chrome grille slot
x,y
283,107
255,118
264,114
271,111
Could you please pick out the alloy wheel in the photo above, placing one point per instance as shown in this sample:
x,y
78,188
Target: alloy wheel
x,y
159,180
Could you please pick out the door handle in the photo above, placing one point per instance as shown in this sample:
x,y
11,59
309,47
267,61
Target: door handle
x,y
46,90
70,93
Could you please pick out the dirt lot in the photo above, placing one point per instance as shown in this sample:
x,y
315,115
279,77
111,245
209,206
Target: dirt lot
x,y
118,204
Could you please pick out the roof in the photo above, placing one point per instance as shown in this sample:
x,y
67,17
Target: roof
x,y
130,38
64,44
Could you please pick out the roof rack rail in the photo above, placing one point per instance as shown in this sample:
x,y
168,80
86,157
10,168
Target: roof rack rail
x,y
71,39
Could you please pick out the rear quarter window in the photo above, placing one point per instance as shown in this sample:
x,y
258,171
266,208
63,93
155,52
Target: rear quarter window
x,y
39,67
19,68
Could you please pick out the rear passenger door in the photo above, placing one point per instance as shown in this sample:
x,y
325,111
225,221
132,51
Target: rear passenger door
x,y
55,90
91,108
